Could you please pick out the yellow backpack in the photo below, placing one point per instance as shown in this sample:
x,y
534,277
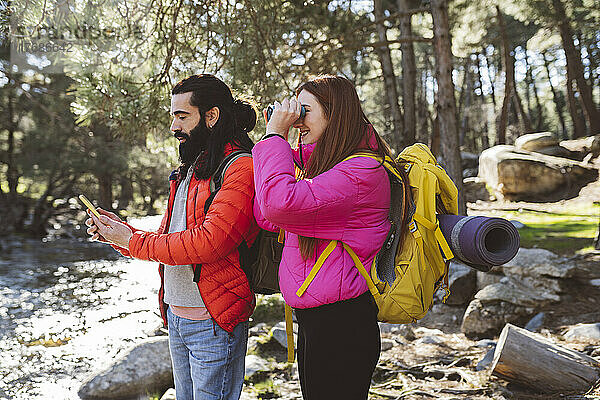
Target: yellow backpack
x,y
411,266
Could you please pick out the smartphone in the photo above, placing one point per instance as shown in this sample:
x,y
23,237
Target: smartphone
x,y
89,205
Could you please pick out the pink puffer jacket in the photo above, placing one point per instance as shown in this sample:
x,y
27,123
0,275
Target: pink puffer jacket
x,y
348,203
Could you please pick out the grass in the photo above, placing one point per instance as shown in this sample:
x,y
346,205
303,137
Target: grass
x,y
563,233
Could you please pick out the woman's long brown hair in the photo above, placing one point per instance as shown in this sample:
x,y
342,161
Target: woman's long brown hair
x,y
347,132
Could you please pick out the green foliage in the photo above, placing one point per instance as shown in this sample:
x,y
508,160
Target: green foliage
x,y
100,124
563,233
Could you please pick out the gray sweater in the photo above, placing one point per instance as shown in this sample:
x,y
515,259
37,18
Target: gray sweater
x,y
180,288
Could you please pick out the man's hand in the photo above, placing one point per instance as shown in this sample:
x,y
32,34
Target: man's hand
x,y
109,228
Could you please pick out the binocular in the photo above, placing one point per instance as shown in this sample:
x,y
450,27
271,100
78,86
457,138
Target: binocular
x,y
271,107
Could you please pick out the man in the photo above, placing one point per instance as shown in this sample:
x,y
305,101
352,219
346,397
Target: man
x,y
205,298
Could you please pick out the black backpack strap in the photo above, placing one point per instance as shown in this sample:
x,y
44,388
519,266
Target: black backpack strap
x,y
216,180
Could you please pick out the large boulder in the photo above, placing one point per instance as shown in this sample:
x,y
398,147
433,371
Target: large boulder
x,y
540,269
508,301
474,189
462,282
523,175
585,145
536,141
142,368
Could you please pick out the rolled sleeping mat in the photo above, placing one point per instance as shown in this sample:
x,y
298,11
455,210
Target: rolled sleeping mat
x,y
480,242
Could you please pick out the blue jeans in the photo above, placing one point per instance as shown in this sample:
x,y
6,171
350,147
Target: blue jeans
x,y
208,362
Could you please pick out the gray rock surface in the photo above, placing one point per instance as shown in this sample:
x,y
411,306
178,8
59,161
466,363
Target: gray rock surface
x,y
583,331
279,333
462,282
475,188
536,141
489,278
522,175
143,367
535,323
483,320
387,344
540,269
405,330
169,395
586,145
255,365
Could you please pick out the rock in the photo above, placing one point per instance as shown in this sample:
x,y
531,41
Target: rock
x,y
469,160
540,269
485,343
475,189
536,141
517,224
508,301
487,320
512,291
535,323
404,330
521,175
254,366
279,333
387,344
428,331
429,340
144,367
462,282
258,329
469,164
586,145
486,360
489,278
169,395
583,331
559,151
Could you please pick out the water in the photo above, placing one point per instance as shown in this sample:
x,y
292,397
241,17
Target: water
x,y
67,308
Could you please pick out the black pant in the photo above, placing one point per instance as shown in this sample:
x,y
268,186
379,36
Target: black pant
x,y
338,349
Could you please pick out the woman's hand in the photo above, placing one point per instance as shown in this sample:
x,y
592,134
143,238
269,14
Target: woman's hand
x,y
108,228
284,115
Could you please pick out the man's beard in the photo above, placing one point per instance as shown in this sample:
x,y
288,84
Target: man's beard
x,y
195,143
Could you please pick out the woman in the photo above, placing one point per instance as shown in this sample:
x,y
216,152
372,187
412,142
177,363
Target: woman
x,y
337,199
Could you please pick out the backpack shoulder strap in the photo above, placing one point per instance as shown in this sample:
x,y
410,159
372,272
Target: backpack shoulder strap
x,y
216,180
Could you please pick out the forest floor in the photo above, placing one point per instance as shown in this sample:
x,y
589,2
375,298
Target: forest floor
x,y
440,362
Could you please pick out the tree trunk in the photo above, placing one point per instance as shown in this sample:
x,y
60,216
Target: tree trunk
x,y
558,101
485,142
423,112
409,74
530,359
538,105
575,66
446,103
597,241
126,195
524,121
12,172
389,77
508,82
492,79
464,124
579,127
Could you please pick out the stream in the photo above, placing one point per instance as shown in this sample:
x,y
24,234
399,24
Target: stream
x,y
67,308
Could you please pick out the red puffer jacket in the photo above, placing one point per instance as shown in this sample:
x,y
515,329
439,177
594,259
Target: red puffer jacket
x,y
210,243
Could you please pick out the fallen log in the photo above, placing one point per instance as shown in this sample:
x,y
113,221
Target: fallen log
x,y
529,359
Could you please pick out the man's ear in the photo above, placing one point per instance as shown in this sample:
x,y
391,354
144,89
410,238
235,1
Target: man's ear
x,y
212,116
